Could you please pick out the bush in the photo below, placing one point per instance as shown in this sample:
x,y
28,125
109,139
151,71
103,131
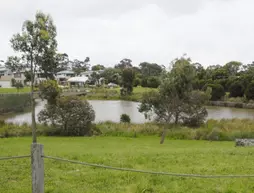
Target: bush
x,y
71,116
137,82
144,82
217,91
125,118
236,89
19,85
249,93
153,82
14,103
50,91
13,82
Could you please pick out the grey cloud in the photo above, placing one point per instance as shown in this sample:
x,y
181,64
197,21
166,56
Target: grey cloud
x,y
209,31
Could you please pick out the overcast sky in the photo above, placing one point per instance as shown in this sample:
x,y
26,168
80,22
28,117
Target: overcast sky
x,y
209,31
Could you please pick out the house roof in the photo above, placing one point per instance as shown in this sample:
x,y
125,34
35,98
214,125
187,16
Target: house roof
x,y
66,72
78,79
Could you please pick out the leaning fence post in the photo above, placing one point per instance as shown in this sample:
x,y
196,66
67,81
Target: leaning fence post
x,y
37,164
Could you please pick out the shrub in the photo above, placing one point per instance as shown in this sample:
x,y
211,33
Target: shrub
x,y
71,116
249,93
14,103
50,91
236,89
144,82
19,85
137,82
153,82
125,118
13,82
217,91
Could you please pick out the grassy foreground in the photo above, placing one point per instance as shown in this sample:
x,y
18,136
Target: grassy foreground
x,y
140,153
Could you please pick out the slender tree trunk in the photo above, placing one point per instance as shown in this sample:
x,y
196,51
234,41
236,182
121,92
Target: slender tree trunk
x,y
33,103
176,118
163,134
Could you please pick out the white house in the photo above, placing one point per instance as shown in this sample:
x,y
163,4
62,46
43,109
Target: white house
x,y
77,81
63,76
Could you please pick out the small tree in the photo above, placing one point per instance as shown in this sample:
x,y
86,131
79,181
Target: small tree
x,y
176,101
13,82
137,82
36,40
125,118
217,91
153,82
128,77
70,116
249,93
236,89
19,85
79,66
50,91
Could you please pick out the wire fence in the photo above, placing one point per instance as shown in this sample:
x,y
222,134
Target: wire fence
x,y
148,172
15,157
132,170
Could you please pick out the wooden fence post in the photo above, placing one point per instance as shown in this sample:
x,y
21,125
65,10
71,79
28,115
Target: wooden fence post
x,y
37,164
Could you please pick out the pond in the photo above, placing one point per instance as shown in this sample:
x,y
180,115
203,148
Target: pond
x,y
111,111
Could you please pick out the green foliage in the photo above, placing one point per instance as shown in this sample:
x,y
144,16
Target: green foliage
x,y
236,89
13,82
124,63
176,101
150,69
112,75
14,103
98,67
125,118
70,116
137,82
153,82
49,91
144,82
80,66
128,77
19,85
249,93
233,67
94,79
217,91
28,76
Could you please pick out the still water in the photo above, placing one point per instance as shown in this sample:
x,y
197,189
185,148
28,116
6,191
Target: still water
x,y
111,111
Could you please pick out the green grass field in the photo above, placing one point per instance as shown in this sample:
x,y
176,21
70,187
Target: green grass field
x,y
14,90
201,157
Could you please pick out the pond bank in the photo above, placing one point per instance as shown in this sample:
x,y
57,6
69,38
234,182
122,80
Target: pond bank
x,y
232,104
223,130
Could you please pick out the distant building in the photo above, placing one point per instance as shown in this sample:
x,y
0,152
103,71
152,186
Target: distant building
x,y
5,77
77,81
63,76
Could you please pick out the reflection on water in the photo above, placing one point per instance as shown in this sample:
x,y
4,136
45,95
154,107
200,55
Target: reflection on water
x,y
111,111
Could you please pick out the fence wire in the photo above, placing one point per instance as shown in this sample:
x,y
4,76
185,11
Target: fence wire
x,y
149,172
15,157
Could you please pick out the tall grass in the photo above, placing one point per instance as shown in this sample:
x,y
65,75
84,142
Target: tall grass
x,y
213,130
